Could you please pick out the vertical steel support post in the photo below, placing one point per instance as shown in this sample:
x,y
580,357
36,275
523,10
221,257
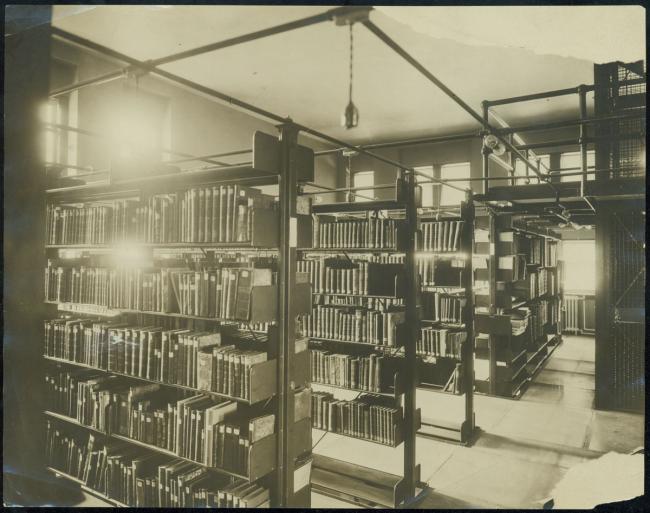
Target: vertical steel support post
x,y
467,214
412,329
492,277
582,94
288,188
486,156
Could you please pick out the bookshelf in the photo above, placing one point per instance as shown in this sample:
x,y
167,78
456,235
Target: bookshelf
x,y
171,342
363,328
518,303
445,345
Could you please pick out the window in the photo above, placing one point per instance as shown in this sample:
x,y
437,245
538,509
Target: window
x,y
520,168
449,196
573,160
364,179
60,144
427,188
579,258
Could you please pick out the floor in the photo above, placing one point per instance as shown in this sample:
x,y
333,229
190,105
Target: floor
x,y
526,445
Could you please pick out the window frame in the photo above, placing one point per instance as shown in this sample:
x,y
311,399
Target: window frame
x,y
367,192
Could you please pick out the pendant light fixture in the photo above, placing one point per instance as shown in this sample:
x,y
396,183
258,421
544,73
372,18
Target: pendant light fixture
x,y
350,117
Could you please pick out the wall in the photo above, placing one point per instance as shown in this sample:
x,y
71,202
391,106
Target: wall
x,y
196,124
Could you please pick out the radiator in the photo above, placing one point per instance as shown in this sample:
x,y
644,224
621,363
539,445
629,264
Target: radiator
x,y
572,306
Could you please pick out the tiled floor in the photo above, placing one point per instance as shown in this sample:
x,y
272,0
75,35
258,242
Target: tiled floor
x,y
526,445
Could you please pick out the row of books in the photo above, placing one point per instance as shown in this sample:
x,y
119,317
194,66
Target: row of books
x,y
371,233
515,263
543,252
443,272
223,293
441,236
368,302
196,359
136,477
344,370
202,428
353,325
541,282
200,214
370,417
440,307
542,313
77,225
359,277
441,342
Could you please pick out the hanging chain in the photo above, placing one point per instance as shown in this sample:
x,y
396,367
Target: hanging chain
x,y
351,58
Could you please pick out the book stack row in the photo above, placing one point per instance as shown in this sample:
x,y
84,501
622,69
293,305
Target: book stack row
x,y
137,478
353,325
200,360
370,417
328,279
441,307
541,282
370,303
441,343
200,214
223,293
195,427
441,236
372,233
541,313
77,225
543,252
343,370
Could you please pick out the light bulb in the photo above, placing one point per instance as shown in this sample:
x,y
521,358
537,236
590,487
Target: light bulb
x,y
350,118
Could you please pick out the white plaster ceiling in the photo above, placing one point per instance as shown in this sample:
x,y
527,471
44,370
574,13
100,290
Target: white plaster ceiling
x,y
303,73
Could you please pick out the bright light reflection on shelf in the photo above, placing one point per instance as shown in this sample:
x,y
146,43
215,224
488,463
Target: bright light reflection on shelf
x,y
130,255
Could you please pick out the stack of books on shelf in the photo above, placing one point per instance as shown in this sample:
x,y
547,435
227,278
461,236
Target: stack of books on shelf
x,y
352,277
440,307
201,428
543,252
201,214
377,327
340,233
132,476
441,236
369,417
344,370
219,292
441,343
195,359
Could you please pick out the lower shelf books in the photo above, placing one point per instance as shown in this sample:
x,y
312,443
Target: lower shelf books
x,y
437,306
137,478
353,325
372,418
441,342
200,428
354,372
196,359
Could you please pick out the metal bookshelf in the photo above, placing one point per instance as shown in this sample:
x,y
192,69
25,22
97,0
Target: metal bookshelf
x,y
523,353
437,373
275,160
405,199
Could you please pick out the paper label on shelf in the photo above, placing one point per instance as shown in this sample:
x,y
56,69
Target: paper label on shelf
x,y
293,232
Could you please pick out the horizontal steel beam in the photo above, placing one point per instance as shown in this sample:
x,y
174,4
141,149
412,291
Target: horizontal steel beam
x,y
408,142
557,92
639,113
259,34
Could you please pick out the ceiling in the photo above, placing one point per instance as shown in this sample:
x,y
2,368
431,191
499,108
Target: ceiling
x,y
304,73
